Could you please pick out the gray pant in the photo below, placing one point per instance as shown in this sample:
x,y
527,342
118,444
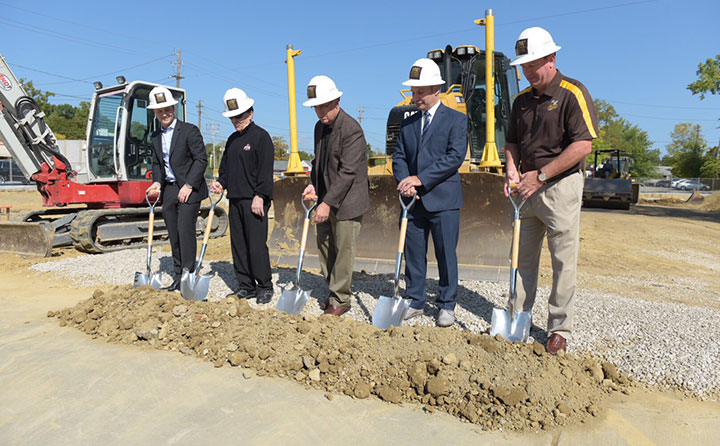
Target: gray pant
x,y
336,241
553,210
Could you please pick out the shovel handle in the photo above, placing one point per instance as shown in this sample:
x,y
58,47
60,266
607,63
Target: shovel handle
x,y
403,232
515,244
211,216
151,227
303,239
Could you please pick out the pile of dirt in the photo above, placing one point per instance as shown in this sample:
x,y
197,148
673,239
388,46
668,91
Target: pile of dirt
x,y
487,381
712,202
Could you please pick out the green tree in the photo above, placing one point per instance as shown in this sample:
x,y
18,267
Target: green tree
x,y
708,78
282,150
65,120
617,133
710,168
304,156
687,150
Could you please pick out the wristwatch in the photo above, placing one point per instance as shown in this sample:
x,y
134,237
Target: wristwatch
x,y
542,176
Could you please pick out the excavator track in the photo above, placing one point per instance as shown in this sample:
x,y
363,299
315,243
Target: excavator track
x,y
103,230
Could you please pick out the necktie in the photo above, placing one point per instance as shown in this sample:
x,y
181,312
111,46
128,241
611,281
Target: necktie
x,y
426,123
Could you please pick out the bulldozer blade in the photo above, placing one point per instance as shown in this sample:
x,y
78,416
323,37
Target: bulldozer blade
x,y
484,239
390,311
33,239
292,301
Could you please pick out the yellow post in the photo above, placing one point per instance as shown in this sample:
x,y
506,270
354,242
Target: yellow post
x,y
294,163
490,153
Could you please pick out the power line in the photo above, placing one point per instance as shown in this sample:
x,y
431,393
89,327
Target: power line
x,y
663,106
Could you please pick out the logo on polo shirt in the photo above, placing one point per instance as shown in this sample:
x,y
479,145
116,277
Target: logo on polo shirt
x,y
553,105
247,147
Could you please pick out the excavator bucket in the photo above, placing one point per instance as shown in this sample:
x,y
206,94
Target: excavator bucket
x,y
485,228
33,239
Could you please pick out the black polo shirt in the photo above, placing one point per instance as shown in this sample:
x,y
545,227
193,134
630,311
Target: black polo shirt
x,y
542,127
246,168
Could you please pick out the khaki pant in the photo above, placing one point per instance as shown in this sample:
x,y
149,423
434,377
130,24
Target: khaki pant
x,y
336,241
553,210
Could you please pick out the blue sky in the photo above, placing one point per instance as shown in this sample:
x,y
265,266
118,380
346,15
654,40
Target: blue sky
x,y
637,55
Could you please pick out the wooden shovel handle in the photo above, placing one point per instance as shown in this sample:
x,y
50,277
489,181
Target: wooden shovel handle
x,y
403,232
515,243
303,240
151,228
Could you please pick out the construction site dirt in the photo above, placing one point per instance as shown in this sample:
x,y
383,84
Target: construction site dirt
x,y
290,375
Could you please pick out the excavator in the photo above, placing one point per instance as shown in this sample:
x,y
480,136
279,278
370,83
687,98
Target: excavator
x,y
485,220
100,205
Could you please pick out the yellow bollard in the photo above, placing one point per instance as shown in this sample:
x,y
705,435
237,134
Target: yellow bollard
x,y
294,164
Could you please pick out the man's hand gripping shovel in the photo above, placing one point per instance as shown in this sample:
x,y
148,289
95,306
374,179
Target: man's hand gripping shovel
x,y
512,324
193,286
149,278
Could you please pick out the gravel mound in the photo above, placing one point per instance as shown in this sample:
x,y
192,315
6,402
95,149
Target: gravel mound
x,y
484,380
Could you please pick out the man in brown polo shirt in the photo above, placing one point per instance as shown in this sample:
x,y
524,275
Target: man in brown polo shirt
x,y
552,125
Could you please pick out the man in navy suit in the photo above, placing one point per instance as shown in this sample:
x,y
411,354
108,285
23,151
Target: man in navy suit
x,y
179,162
431,147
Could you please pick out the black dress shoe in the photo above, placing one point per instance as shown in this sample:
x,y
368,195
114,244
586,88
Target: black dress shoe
x,y
242,294
174,286
264,296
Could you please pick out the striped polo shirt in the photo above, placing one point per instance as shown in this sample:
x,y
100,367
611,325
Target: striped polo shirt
x,y
544,126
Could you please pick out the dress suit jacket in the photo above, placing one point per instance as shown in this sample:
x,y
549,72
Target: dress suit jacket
x,y
435,157
188,159
346,177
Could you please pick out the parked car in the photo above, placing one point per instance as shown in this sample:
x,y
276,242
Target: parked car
x,y
690,185
675,182
662,183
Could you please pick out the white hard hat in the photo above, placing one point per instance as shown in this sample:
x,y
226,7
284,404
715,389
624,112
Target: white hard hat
x,y
236,102
533,44
321,90
160,97
424,72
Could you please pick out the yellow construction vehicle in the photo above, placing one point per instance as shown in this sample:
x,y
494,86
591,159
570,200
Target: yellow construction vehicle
x,y
479,83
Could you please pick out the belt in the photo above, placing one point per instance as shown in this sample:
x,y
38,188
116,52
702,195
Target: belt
x,y
170,183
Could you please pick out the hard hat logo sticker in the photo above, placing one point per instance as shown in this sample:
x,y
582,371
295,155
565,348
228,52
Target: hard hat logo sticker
x,y
232,104
159,97
521,47
415,72
311,91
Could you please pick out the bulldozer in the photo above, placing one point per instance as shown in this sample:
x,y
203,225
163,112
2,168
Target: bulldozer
x,y
611,186
485,220
100,205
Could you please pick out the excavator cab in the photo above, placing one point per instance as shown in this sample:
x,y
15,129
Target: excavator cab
x,y
118,137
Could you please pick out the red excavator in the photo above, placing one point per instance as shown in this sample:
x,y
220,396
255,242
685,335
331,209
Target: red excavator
x,y
99,205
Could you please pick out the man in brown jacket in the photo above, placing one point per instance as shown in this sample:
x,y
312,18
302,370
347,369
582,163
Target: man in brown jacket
x,y
339,179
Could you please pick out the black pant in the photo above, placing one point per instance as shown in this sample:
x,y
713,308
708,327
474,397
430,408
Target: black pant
x,y
248,237
180,220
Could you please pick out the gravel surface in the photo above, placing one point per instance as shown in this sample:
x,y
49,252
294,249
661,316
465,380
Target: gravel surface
x,y
667,344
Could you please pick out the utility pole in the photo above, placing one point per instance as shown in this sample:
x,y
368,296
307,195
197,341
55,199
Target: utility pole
x,y
179,63
213,129
199,107
360,112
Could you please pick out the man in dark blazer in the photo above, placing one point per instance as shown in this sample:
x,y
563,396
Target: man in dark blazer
x,y
431,147
179,162
340,181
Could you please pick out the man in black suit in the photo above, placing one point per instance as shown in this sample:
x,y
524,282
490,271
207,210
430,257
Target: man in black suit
x,y
179,163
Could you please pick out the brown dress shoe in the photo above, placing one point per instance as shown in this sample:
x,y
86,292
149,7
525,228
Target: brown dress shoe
x,y
324,304
336,311
555,344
